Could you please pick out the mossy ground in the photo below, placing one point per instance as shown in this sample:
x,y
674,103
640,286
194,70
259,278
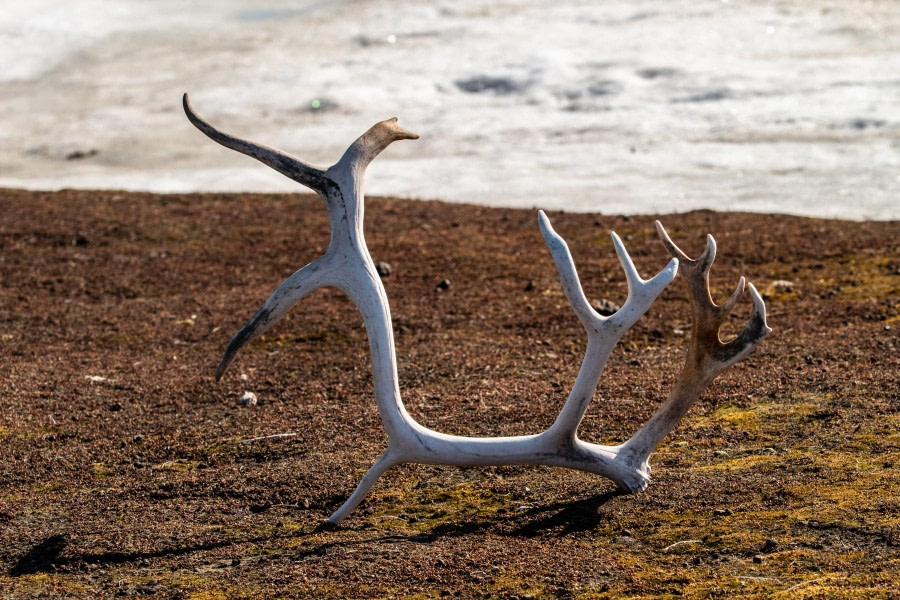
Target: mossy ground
x,y
126,470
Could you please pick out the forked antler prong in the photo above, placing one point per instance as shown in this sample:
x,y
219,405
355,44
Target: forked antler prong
x,y
707,355
707,347
641,292
603,332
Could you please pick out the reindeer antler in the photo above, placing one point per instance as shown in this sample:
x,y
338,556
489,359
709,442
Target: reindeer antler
x,y
707,355
348,266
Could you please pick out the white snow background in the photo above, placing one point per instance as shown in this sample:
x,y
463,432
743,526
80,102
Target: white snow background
x,y
616,107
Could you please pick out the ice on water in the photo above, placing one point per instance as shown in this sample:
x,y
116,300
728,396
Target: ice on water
x,y
622,107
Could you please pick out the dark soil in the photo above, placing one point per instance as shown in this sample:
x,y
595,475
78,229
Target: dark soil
x,y
127,471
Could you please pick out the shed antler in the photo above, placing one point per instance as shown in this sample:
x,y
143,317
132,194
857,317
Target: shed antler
x,y
707,355
348,266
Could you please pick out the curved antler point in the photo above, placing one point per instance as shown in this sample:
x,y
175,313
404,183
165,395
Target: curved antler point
x,y
709,253
759,307
550,235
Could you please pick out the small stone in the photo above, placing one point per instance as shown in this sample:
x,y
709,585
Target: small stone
x,y
605,307
627,532
138,439
720,453
722,512
770,545
80,154
443,285
115,407
248,399
383,269
758,559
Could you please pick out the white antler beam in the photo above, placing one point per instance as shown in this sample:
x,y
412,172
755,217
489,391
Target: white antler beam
x,y
348,266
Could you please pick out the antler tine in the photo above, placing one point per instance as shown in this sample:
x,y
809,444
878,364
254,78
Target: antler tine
x,y
631,275
709,255
311,277
568,276
735,296
309,175
670,245
756,329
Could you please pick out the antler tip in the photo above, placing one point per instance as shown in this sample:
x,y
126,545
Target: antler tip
x,y
674,250
672,266
618,245
759,307
660,229
220,370
709,254
192,115
545,226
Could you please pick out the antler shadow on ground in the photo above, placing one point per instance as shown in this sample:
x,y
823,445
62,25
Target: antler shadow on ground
x,y
559,519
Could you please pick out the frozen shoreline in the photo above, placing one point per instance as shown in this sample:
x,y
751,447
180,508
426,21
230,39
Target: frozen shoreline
x,y
624,108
